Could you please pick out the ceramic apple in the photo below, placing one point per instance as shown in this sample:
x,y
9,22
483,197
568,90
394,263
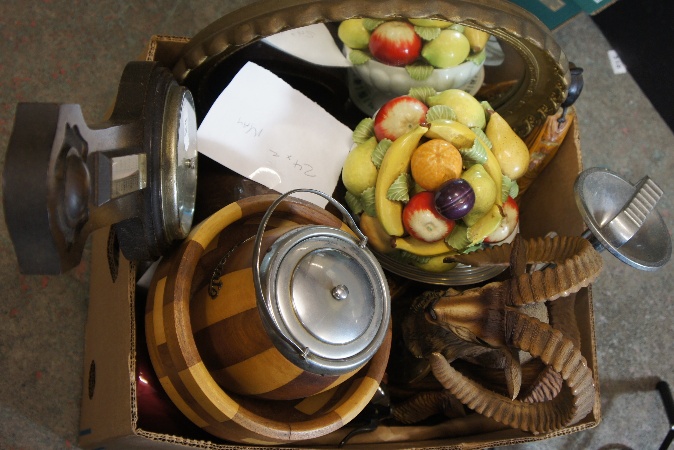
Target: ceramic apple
x,y
508,224
398,116
422,221
395,43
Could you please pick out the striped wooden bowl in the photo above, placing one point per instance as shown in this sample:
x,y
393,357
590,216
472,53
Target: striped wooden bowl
x,y
182,364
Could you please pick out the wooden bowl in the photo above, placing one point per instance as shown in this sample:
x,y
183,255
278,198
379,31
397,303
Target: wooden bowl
x,y
182,369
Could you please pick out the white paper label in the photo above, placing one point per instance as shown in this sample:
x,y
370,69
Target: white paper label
x,y
263,129
616,63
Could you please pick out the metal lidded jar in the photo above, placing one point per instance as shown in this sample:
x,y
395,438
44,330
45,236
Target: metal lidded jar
x,y
302,319
322,297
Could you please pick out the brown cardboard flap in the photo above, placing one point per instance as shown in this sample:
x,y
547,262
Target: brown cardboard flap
x,y
549,203
109,363
585,320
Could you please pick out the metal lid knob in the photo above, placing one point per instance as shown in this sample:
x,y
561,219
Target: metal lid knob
x,y
622,218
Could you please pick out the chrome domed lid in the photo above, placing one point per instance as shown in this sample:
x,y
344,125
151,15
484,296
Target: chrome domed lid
x,y
324,299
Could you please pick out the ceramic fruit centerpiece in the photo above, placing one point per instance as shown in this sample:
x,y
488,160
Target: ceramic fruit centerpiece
x,y
395,55
433,174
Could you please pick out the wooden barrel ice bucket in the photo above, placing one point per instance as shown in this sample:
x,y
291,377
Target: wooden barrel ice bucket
x,y
212,353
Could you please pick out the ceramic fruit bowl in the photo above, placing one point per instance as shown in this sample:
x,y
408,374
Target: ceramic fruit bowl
x,y
391,81
432,176
396,81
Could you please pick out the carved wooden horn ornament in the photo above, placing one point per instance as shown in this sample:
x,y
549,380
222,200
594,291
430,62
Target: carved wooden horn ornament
x,y
490,314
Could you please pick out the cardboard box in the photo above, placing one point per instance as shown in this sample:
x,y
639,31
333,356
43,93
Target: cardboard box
x,y
123,406
554,13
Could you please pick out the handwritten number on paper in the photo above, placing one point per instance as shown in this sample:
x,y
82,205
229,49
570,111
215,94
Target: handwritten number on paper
x,y
249,128
309,171
304,168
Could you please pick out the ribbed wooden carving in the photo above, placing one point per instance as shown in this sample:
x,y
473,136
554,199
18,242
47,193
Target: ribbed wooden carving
x,y
456,325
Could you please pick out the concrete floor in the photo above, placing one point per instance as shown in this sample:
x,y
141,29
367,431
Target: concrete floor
x,y
74,52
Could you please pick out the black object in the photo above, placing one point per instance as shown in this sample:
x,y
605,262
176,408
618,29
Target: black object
x,y
368,420
575,88
668,402
641,32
